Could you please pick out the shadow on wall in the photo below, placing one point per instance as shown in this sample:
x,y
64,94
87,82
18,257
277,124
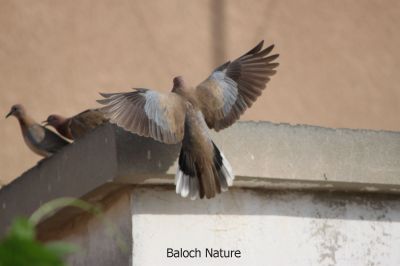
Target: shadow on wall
x,y
314,205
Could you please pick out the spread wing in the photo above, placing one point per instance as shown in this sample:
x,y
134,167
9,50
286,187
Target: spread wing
x,y
147,113
234,86
86,121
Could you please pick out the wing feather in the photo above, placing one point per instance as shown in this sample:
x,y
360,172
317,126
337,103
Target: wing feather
x,y
147,113
45,139
234,86
86,121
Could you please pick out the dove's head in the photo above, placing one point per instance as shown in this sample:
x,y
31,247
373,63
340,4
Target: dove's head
x,y
16,110
54,120
179,85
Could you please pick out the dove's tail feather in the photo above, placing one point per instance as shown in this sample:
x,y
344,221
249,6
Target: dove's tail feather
x,y
195,178
223,169
186,181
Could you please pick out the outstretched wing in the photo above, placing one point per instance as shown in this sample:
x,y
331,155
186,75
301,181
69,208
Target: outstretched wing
x,y
147,113
234,86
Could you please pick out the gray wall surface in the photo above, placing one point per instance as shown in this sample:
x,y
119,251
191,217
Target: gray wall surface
x,y
347,213
262,154
103,240
339,59
268,228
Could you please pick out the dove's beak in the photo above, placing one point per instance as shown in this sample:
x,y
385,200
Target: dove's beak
x,y
9,113
45,123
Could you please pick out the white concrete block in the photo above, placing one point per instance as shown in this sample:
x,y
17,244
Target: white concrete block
x,y
268,228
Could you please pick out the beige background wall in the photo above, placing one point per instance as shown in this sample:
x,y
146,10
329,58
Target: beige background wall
x,y
340,60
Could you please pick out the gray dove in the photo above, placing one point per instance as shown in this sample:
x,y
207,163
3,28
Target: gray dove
x,y
39,139
76,126
185,114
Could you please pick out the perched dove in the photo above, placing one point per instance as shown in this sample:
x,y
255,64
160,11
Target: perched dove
x,y
184,115
76,126
39,139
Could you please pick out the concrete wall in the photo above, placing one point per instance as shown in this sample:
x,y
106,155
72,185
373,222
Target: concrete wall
x,y
263,155
339,59
352,220
267,227
102,240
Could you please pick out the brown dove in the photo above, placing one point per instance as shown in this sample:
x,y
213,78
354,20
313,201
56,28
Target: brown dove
x,y
184,114
39,139
76,126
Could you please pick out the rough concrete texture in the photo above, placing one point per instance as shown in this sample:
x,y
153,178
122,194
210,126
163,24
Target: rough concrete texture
x,y
262,155
339,59
78,169
365,158
268,227
105,240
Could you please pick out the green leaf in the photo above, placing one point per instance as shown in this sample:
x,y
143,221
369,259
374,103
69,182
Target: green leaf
x,y
22,228
21,252
20,248
61,248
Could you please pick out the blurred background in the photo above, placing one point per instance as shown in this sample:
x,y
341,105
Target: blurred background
x,y
340,60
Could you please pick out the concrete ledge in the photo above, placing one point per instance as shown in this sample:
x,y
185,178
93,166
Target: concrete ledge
x,y
262,155
309,157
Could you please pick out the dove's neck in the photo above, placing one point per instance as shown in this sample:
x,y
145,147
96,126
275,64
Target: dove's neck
x,y
25,120
63,127
187,94
60,122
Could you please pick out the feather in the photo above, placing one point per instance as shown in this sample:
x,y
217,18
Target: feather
x,y
239,83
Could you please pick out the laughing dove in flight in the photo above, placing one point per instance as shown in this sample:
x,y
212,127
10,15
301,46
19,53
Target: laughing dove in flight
x,y
39,139
77,126
184,115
